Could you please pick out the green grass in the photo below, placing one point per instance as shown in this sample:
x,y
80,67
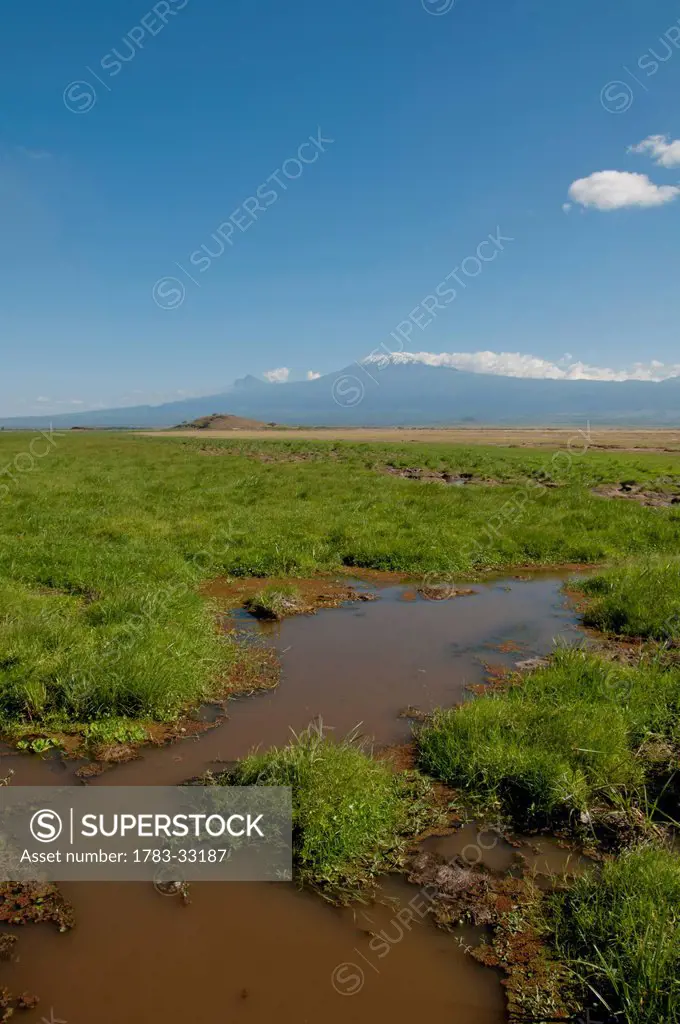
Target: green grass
x,y
64,659
351,813
565,739
275,602
619,930
641,599
105,541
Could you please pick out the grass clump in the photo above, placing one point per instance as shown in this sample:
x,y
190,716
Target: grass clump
x,y
62,658
351,814
563,740
276,602
619,930
636,600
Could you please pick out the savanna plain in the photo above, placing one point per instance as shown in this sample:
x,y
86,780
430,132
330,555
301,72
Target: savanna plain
x,y
126,561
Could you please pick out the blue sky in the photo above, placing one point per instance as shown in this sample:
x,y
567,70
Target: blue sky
x,y
449,123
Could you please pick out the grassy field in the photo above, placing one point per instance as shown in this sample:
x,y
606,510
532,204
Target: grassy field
x,y
106,539
574,460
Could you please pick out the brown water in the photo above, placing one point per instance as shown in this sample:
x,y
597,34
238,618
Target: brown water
x,y
542,856
252,952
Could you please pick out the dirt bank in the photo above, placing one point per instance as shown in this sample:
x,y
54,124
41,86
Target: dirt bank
x,y
306,595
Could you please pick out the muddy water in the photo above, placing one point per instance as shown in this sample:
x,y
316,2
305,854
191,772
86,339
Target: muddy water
x,y
254,952
367,663
244,953
542,856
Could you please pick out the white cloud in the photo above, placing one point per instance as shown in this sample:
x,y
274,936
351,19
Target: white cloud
x,y
566,207
663,150
279,376
312,375
614,190
516,364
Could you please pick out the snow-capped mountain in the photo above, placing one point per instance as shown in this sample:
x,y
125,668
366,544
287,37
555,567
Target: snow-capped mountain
x,y
405,389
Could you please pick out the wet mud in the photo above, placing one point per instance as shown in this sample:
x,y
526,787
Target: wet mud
x,y
434,476
666,497
309,595
545,858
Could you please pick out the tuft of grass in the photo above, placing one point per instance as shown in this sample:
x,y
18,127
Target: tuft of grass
x,y
276,602
352,814
619,931
60,657
558,742
639,599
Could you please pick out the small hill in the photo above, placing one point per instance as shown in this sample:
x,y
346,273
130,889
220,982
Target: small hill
x,y
223,421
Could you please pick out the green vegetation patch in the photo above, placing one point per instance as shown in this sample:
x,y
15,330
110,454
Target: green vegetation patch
x,y
276,602
564,739
639,599
64,659
619,930
351,814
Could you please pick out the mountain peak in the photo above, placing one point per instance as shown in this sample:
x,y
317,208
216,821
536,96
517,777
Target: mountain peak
x,y
248,382
385,358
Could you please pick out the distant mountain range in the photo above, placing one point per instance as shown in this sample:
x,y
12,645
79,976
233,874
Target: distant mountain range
x,y
389,393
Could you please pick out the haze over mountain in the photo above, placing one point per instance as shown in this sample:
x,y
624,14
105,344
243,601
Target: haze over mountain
x,y
394,391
